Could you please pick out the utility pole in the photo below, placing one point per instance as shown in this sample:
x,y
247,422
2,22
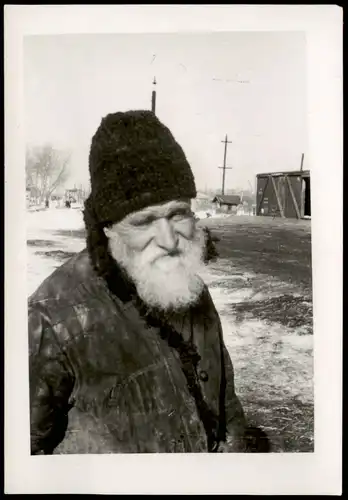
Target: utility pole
x,y
224,168
302,157
153,99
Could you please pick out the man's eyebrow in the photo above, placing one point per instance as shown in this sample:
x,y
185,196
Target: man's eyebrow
x,y
143,215
178,205
182,207
153,212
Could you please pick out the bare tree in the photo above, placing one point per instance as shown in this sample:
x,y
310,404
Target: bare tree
x,y
46,170
29,168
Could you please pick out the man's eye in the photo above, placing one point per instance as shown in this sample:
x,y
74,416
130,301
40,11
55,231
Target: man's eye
x,y
179,216
143,222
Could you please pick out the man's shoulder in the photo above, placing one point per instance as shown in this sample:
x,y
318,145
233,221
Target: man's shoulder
x,y
73,299
206,304
63,283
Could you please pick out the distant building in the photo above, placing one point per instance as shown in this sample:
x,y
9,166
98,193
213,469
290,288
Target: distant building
x,y
202,202
27,197
32,195
244,208
75,195
284,194
227,203
247,204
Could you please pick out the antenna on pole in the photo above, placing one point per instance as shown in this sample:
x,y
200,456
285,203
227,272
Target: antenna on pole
x,y
153,99
224,168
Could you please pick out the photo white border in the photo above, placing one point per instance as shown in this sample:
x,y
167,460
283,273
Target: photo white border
x,y
298,473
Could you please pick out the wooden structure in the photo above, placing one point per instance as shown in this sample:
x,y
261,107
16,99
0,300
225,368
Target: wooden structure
x,y
227,203
284,194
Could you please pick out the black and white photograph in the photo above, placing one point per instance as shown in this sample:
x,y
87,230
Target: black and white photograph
x,y
168,262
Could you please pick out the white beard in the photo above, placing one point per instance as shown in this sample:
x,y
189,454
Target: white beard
x,y
164,281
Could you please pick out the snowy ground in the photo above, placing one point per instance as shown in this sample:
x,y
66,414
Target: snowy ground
x,y
266,317
52,236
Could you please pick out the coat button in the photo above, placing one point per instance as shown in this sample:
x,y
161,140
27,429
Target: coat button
x,y
203,376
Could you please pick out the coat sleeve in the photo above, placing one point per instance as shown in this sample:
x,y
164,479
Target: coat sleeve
x,y
240,437
51,382
235,417
235,421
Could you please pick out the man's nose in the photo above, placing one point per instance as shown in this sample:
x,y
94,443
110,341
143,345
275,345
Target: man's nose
x,y
166,236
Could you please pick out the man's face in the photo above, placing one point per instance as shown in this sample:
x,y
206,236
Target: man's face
x,y
161,250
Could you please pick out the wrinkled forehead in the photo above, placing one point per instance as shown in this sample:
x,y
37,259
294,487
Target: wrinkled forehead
x,y
161,209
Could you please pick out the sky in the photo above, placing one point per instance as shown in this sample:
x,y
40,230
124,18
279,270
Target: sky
x,y
72,81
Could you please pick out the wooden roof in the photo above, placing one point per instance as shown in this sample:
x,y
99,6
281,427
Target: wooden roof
x,y
227,199
304,173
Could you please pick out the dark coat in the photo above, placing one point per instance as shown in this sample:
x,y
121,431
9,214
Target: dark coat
x,y
210,250
106,378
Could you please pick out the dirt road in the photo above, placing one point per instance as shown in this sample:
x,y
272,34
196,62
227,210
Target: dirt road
x,y
261,285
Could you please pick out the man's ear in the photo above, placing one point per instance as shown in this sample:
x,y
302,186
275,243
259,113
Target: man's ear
x,y
106,231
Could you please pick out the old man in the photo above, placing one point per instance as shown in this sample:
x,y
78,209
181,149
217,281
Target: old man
x,y
126,347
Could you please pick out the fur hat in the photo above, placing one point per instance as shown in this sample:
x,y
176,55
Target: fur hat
x,y
135,162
